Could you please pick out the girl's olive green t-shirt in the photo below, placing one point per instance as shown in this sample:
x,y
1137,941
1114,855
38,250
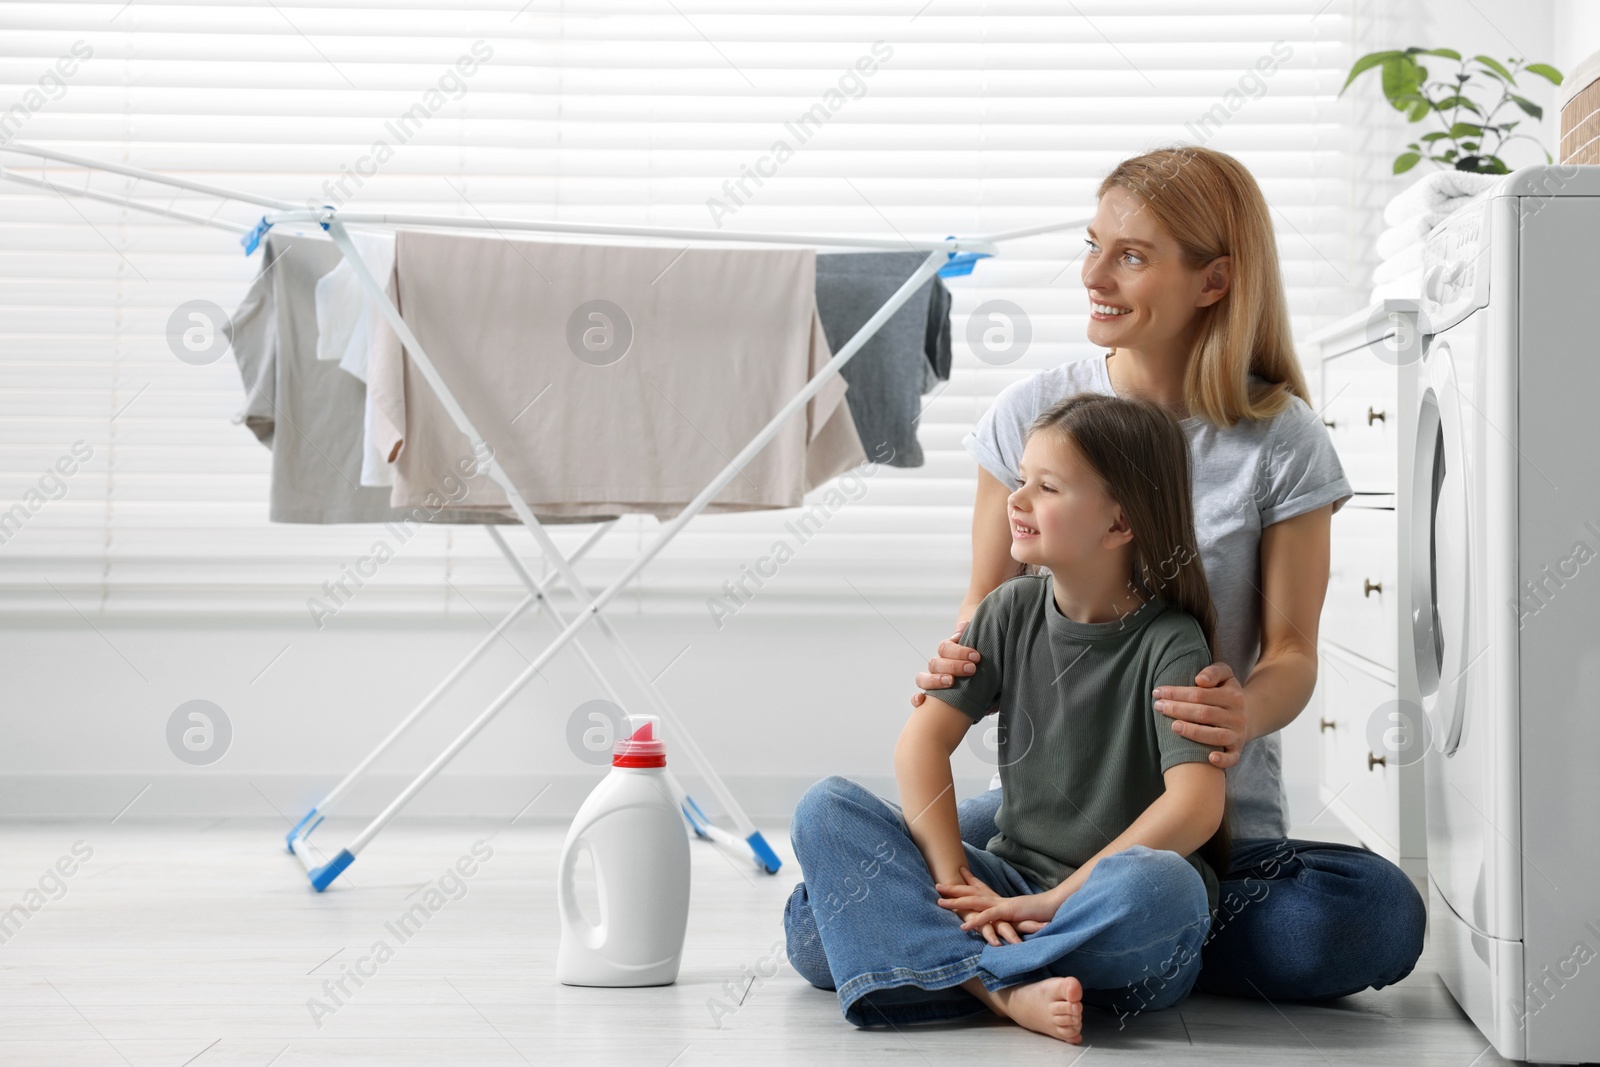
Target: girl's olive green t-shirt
x,y
1082,748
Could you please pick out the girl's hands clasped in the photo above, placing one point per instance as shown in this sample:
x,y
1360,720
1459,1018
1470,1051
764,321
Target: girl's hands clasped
x,y
981,906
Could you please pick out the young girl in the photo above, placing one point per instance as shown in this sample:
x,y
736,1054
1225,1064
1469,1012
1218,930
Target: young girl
x,y
1112,827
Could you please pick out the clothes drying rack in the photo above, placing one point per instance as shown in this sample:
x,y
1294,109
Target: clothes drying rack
x,y
950,256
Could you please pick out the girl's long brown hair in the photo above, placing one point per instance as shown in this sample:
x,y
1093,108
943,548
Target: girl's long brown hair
x,y
1141,455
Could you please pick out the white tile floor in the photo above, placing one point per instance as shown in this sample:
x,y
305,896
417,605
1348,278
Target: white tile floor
x,y
198,942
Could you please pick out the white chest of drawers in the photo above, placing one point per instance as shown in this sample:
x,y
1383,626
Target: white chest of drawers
x,y
1360,378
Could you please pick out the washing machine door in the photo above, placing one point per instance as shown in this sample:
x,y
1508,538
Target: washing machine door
x,y
1440,550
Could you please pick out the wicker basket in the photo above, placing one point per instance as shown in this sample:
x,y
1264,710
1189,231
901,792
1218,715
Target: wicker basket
x,y
1580,113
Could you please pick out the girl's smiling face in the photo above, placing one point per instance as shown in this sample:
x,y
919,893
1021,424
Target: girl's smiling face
x,y
1061,516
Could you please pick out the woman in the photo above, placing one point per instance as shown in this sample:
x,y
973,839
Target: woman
x,y
1184,288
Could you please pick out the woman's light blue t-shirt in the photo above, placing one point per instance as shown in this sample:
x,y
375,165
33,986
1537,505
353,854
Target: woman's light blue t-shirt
x,y
1246,477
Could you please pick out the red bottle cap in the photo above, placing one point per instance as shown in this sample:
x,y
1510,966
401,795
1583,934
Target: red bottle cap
x,y
642,749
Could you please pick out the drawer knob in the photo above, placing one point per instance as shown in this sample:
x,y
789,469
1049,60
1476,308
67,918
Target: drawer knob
x,y
1373,761
1327,724
1328,423
1375,416
1369,587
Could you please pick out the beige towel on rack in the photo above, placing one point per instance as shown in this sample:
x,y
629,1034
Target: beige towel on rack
x,y
721,339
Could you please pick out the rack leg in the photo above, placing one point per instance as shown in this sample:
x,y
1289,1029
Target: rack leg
x,y
764,855
536,594
314,816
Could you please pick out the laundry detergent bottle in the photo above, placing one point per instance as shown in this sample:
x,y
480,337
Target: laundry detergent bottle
x,y
636,839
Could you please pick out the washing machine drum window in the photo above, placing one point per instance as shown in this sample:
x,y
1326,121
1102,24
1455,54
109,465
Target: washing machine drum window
x,y
1440,551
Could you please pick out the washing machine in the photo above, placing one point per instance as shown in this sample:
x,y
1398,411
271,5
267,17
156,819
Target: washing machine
x,y
1500,577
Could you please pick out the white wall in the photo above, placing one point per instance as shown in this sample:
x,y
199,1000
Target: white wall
x,y
1503,28
774,702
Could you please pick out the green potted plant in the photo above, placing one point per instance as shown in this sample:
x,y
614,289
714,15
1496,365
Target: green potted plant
x,y
1463,143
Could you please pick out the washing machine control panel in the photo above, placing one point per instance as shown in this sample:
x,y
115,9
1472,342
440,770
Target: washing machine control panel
x,y
1455,267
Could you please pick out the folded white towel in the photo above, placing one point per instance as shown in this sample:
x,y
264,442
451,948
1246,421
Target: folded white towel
x,y
1407,285
1434,192
1402,262
1412,231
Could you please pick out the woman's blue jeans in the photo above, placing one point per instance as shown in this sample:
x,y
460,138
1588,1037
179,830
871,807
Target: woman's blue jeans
x,y
1297,920
865,920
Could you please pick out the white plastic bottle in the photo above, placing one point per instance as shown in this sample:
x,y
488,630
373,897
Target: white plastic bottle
x,y
636,838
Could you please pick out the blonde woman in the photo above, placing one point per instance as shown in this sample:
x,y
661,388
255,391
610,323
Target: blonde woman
x,y
1184,292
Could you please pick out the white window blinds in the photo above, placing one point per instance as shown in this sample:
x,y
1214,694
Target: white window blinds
x,y
129,489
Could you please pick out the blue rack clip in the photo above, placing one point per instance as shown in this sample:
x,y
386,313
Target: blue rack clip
x,y
960,263
322,877
252,240
766,859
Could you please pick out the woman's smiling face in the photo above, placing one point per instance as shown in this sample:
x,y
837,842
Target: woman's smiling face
x,y
1061,515
1134,266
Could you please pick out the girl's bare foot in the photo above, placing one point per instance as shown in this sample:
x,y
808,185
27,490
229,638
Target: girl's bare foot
x,y
1053,1007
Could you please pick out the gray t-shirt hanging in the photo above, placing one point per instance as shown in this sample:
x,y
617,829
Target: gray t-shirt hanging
x,y
308,411
1082,748
901,361
1246,477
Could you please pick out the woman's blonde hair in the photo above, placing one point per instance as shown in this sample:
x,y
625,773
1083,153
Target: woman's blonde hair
x,y
1212,206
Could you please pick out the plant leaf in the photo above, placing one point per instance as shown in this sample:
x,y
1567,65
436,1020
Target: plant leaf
x,y
1527,105
1412,103
1448,53
1405,161
1544,70
1366,63
1460,101
1434,135
1466,129
1399,80
1497,67
1482,165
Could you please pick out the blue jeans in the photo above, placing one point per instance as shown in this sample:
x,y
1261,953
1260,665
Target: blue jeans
x,y
1297,920
866,922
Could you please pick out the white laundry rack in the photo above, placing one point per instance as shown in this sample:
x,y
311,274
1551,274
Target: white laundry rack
x,y
321,869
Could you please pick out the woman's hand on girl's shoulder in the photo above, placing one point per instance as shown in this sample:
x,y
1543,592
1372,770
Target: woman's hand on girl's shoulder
x,y
952,659
1213,712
